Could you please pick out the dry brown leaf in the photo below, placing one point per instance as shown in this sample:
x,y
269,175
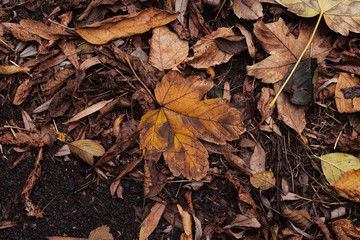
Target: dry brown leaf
x,y
300,218
267,95
290,114
167,50
54,84
125,26
89,110
7,224
52,32
33,177
207,53
344,229
184,117
284,49
258,159
22,92
263,180
186,220
248,9
248,39
86,149
244,221
12,69
151,221
21,33
101,233
348,186
346,105
68,48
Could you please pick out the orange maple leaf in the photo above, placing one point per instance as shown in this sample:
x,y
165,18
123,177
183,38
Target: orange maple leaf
x,y
183,119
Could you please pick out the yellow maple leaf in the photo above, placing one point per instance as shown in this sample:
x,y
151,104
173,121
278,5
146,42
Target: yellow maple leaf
x,y
183,119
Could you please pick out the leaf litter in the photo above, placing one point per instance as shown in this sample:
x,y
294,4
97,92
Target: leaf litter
x,y
128,88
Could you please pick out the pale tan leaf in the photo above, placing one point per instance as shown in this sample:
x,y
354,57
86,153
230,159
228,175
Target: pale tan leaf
x,y
86,149
244,221
151,221
290,114
348,186
206,52
89,110
167,50
125,26
258,159
12,69
101,233
248,39
285,49
346,105
186,220
263,180
248,9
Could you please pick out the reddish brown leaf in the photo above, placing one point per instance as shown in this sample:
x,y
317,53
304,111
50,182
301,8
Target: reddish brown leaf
x,y
151,221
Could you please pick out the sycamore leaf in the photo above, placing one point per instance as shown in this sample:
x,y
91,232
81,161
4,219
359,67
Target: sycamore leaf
x,y
346,105
334,165
86,149
348,186
341,16
284,49
167,50
183,118
125,25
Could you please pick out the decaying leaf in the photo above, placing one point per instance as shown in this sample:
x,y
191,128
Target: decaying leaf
x,y
248,9
22,92
263,180
348,186
167,50
244,221
125,26
345,229
300,218
184,117
346,105
86,149
206,51
101,233
258,159
54,84
151,221
186,220
341,16
284,49
12,69
334,165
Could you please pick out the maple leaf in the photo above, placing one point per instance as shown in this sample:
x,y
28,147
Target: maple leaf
x,y
175,128
341,16
284,49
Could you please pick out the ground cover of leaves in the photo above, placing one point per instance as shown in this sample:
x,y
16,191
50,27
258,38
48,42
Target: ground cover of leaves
x,y
150,119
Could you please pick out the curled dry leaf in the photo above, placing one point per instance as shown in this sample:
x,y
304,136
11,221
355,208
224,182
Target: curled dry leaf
x,y
12,69
284,49
86,149
206,51
341,16
263,180
125,26
184,117
244,221
151,221
167,50
346,105
334,165
248,9
101,233
186,220
300,218
348,186
248,39
345,229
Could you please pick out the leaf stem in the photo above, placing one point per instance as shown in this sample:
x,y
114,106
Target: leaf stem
x,y
299,59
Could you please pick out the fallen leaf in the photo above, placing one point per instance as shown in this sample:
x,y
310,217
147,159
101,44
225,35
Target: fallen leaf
x,y
248,9
12,69
267,95
52,32
186,220
167,50
284,49
334,165
151,221
89,110
248,39
263,180
57,82
340,16
184,117
345,229
290,114
258,159
86,149
244,221
346,105
7,224
101,233
348,186
22,92
33,177
206,51
125,26
300,218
